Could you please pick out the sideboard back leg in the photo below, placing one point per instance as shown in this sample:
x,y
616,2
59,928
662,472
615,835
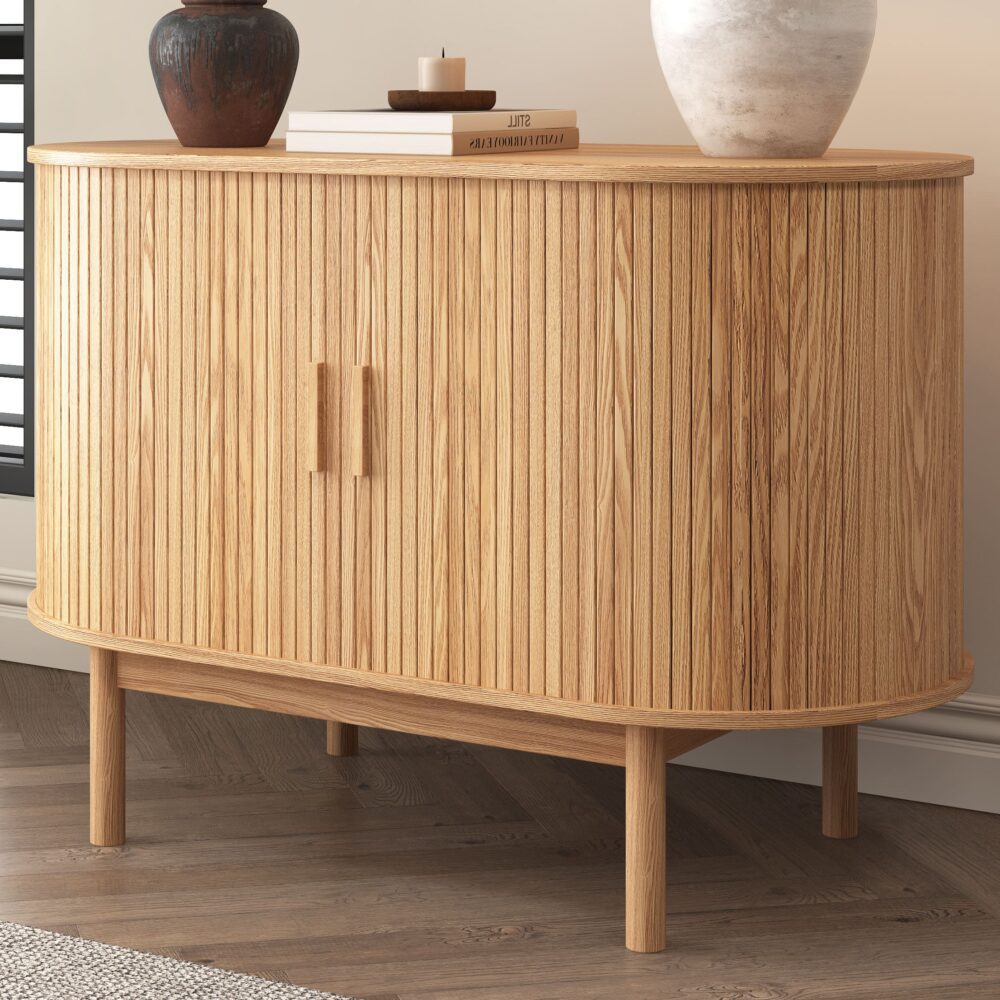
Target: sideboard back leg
x,y
341,739
840,781
645,839
107,751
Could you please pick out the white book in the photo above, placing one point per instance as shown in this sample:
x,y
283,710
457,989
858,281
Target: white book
x,y
439,122
413,143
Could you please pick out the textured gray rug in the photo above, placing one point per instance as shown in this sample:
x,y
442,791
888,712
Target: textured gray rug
x,y
39,965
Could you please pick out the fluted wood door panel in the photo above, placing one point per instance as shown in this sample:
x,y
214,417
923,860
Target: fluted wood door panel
x,y
675,446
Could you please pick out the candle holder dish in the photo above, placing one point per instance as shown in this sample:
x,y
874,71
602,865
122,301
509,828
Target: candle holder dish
x,y
442,100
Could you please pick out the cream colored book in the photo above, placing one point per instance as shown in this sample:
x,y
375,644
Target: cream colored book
x,y
435,144
447,122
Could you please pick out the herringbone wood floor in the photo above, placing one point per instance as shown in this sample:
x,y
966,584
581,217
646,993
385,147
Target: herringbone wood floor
x,y
424,869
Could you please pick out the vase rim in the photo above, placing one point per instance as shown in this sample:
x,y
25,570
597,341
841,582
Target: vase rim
x,y
224,3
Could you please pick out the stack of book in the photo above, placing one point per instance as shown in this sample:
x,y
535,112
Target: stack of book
x,y
432,133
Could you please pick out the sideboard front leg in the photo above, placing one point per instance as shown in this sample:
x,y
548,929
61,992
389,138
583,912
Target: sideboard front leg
x,y
645,839
341,739
840,782
107,751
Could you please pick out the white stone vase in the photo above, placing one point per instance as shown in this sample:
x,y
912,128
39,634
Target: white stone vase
x,y
764,78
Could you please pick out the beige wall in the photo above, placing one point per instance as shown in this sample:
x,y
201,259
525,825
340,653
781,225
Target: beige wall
x,y
932,84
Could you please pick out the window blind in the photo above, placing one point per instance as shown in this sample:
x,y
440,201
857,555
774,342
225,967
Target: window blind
x,y
16,249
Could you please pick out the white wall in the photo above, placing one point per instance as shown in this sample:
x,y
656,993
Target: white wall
x,y
20,641
932,84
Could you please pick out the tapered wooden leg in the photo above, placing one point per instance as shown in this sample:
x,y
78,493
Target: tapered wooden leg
x,y
341,739
107,751
645,839
840,781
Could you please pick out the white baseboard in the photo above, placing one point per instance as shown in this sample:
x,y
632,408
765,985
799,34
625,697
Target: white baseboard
x,y
20,641
900,764
948,756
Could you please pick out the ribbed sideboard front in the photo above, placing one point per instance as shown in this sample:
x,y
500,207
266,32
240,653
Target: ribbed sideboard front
x,y
668,445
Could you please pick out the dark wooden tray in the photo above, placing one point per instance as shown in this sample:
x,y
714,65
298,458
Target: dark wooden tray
x,y
458,100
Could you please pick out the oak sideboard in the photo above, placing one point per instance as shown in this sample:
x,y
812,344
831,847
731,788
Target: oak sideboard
x,y
599,454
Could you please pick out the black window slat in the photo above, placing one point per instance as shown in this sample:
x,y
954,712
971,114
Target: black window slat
x,y
12,41
17,460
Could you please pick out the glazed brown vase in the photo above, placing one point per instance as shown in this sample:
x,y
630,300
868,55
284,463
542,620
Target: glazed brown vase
x,y
224,71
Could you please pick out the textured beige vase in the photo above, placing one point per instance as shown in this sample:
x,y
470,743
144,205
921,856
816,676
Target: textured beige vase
x,y
764,78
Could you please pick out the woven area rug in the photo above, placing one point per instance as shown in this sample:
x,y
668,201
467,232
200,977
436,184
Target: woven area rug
x,y
39,965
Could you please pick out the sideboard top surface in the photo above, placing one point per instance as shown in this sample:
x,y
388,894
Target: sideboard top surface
x,y
625,164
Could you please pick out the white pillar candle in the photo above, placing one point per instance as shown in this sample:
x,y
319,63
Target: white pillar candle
x,y
441,74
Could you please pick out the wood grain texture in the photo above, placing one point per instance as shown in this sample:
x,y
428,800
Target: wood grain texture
x,y
674,719
840,782
614,163
687,448
599,742
314,442
341,739
645,841
361,436
107,751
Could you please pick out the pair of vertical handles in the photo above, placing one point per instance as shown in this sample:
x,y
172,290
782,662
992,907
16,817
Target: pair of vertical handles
x,y
359,416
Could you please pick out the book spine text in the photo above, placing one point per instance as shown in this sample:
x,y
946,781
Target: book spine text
x,y
520,141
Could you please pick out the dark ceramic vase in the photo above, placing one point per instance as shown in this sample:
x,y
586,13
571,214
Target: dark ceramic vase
x,y
224,71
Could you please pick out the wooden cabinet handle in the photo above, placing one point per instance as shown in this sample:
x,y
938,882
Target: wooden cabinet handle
x,y
360,423
315,442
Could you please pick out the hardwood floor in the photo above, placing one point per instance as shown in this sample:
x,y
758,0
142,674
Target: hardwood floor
x,y
423,869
